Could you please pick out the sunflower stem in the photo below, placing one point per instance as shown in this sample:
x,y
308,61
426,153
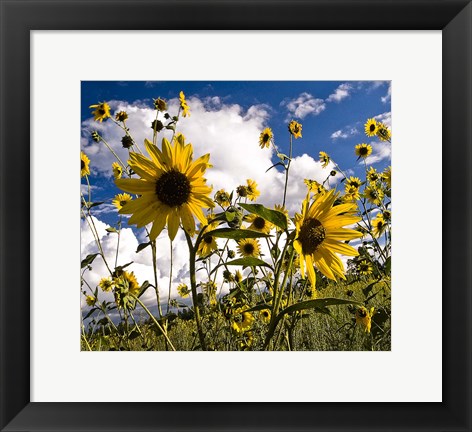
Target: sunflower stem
x,y
193,284
287,168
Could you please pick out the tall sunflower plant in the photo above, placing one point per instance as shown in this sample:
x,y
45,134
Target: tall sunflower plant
x,y
255,271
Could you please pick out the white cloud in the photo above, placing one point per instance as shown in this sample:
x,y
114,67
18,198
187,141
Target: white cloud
x,y
380,151
388,96
385,118
304,105
344,133
340,93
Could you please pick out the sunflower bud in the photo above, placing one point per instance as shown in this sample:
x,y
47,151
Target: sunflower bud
x,y
160,104
231,253
242,191
95,136
333,173
157,125
126,141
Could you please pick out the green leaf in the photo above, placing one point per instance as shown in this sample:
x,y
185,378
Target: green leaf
x,y
235,234
90,312
277,164
143,288
245,262
111,230
316,304
88,260
388,265
142,246
259,307
274,216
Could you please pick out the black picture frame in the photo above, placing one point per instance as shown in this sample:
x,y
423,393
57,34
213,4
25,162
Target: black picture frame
x,y
19,17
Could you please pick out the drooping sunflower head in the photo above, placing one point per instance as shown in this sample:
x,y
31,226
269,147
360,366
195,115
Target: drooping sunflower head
x,y
127,141
373,194
251,190
121,200
320,236
249,247
265,138
371,127
383,132
258,223
315,187
386,215
121,116
106,284
364,318
90,300
372,175
183,290
222,198
295,129
324,159
364,267
208,242
126,287
265,315
172,188
363,150
242,320
117,170
160,104
84,165
379,225
183,105
101,112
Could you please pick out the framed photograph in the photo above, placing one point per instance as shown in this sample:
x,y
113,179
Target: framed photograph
x,y
227,248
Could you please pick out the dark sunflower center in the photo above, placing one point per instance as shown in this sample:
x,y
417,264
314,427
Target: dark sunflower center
x,y
363,151
122,203
101,111
265,314
259,223
312,234
362,313
266,137
208,239
372,127
248,248
82,164
173,188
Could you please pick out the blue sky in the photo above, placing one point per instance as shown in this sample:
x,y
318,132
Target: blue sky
x,y
226,119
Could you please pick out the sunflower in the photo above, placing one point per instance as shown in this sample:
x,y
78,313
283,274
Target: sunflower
x,y
265,315
266,138
242,320
251,190
183,105
374,195
106,284
160,104
183,290
324,159
121,116
295,129
354,182
315,187
351,193
102,111
121,200
372,175
387,215
238,276
84,165
258,223
222,198
117,170
320,235
90,300
249,247
371,127
364,318
387,176
208,243
378,225
364,267
171,186
383,132
363,150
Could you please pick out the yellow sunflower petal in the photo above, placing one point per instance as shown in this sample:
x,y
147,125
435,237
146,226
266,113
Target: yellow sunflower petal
x,y
159,222
135,186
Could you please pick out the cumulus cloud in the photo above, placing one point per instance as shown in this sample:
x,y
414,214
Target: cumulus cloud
x,y
380,151
344,133
305,104
340,93
385,118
